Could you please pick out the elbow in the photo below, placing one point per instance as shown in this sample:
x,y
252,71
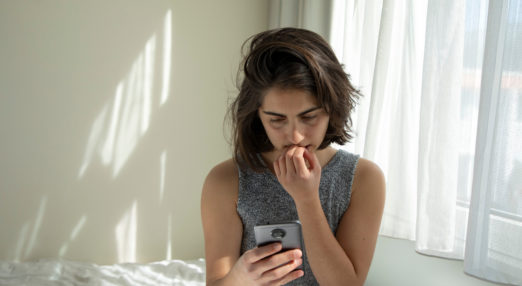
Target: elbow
x,y
352,278
357,278
353,281
346,279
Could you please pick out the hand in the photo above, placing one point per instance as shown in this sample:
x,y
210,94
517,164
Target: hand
x,y
299,172
267,266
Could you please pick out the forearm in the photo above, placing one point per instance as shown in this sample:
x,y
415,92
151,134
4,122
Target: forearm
x,y
224,281
218,282
328,260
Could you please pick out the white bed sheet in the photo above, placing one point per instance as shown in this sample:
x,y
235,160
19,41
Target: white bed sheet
x,y
64,272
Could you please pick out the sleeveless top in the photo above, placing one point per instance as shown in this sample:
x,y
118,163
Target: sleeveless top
x,y
262,200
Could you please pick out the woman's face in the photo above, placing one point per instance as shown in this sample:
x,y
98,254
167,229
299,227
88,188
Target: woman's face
x,y
293,117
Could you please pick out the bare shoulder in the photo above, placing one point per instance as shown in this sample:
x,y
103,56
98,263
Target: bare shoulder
x,y
222,180
223,172
222,225
359,227
368,177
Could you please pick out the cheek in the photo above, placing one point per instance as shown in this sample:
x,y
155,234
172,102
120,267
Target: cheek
x,y
321,128
275,134
272,133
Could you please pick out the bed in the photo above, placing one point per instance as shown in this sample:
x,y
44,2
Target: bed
x,y
65,272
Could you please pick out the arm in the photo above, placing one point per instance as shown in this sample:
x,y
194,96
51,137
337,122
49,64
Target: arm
x,y
218,204
223,230
343,259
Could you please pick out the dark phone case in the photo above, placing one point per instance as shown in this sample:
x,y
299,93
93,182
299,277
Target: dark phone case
x,y
288,233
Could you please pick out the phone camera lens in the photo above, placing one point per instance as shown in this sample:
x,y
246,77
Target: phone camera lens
x,y
278,233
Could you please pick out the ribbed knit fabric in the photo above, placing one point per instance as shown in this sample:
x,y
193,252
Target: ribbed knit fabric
x,y
262,200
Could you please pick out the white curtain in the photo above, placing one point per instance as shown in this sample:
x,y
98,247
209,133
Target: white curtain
x,y
309,14
441,115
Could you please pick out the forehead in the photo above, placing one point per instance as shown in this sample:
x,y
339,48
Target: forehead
x,y
290,100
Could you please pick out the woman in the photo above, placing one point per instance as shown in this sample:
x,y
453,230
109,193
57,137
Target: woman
x,y
294,101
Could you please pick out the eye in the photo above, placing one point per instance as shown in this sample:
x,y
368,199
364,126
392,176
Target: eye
x,y
276,120
309,117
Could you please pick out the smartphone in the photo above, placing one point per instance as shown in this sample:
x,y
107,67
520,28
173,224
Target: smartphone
x,y
288,233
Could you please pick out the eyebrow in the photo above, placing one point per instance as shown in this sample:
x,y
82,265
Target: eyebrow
x,y
300,114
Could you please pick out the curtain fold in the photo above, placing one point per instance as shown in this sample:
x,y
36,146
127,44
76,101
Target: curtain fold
x,y
494,244
439,130
307,14
382,48
441,115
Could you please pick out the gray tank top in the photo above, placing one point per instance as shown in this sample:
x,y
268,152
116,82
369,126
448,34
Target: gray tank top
x,y
262,200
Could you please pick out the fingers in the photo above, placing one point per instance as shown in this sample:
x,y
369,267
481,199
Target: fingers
x,y
279,259
290,167
277,169
312,159
268,264
290,277
299,162
286,163
277,266
285,273
257,254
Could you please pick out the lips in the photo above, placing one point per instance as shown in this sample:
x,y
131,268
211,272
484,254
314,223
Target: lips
x,y
303,146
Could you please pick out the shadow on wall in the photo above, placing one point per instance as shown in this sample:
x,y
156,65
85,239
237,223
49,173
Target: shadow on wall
x,y
115,133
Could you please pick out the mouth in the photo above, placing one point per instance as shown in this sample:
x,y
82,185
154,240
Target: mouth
x,y
309,146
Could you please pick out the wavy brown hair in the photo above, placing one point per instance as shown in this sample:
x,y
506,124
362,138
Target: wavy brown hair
x,y
288,58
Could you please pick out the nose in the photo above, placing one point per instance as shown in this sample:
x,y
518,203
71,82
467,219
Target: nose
x,y
296,134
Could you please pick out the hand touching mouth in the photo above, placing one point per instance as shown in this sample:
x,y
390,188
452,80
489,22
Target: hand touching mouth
x,y
309,146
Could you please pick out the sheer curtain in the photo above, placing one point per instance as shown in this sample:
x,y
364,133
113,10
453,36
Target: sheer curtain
x,y
441,115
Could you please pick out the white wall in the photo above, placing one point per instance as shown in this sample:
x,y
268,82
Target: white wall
x,y
107,134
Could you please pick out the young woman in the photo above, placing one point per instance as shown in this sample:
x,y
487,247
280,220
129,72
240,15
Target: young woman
x,y
294,101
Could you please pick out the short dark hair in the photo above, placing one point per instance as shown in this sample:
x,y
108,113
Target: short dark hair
x,y
288,58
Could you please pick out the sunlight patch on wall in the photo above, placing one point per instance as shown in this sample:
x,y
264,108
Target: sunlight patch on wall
x,y
115,136
148,77
126,234
74,233
167,53
27,238
135,109
168,256
36,227
21,241
108,148
96,133
163,163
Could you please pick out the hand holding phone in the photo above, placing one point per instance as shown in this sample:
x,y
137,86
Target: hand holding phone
x,y
287,233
